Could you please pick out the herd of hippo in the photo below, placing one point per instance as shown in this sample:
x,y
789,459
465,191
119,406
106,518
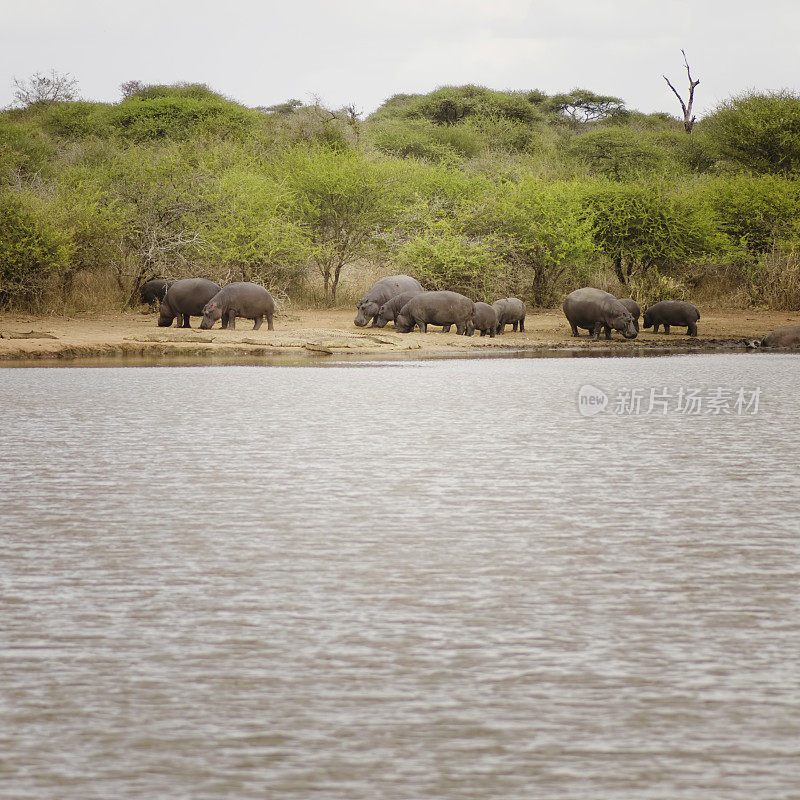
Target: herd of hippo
x,y
402,300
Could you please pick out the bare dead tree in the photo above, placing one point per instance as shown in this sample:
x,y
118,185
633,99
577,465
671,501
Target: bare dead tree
x,y
40,88
688,119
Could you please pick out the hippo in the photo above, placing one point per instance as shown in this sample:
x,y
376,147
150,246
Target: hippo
x,y
185,299
153,290
239,300
633,307
510,311
594,309
485,319
391,308
671,312
384,290
437,308
783,337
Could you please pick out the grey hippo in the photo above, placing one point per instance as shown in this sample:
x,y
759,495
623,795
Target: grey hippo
x,y
391,308
783,337
510,311
594,310
248,300
382,291
671,312
485,319
437,308
184,299
154,290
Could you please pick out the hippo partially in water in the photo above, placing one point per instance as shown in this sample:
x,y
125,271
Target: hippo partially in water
x,y
783,337
595,310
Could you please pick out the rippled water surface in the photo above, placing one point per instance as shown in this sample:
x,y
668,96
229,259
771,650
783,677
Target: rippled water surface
x,y
414,580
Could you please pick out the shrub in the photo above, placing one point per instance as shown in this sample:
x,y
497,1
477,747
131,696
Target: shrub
x,y
32,250
24,149
615,152
759,132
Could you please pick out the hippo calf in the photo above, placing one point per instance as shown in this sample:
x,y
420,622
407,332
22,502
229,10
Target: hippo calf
x,y
633,307
154,290
381,292
783,337
247,300
184,299
510,311
672,312
389,310
485,319
594,310
437,308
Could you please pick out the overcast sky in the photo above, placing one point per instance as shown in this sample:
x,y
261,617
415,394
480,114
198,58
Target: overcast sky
x,y
361,52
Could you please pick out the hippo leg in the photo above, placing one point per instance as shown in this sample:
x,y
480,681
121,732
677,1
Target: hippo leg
x,y
232,320
692,330
423,327
491,333
483,333
607,331
186,323
522,326
179,320
257,321
596,331
445,329
270,326
655,327
574,329
666,328
223,323
501,327
514,326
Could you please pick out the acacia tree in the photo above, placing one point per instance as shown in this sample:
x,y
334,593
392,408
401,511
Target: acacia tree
x,y
688,119
41,88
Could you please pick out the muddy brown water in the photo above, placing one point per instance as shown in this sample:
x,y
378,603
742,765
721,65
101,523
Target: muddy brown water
x,y
400,579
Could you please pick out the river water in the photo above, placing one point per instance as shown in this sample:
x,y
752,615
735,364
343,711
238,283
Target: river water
x,y
417,579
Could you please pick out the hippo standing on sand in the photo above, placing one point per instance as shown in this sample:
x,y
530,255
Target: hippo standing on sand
x,y
633,307
391,308
437,308
247,300
594,309
510,311
485,319
185,299
384,290
154,290
671,312
783,337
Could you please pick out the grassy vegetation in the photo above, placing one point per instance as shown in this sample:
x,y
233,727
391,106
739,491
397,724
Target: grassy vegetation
x,y
484,192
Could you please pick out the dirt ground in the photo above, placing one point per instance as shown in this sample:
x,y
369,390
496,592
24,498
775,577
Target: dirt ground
x,y
323,332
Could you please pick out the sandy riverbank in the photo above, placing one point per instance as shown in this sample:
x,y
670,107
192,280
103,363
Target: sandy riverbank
x,y
324,332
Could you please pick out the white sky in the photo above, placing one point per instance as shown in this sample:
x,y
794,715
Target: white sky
x,y
363,51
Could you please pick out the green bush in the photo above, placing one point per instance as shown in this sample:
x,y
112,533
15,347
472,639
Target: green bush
x,y
643,227
757,214
615,153
24,149
75,120
758,132
141,119
32,250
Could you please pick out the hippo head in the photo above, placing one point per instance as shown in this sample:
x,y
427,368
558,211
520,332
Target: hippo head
x,y
211,313
165,316
647,320
623,322
404,323
366,309
385,316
